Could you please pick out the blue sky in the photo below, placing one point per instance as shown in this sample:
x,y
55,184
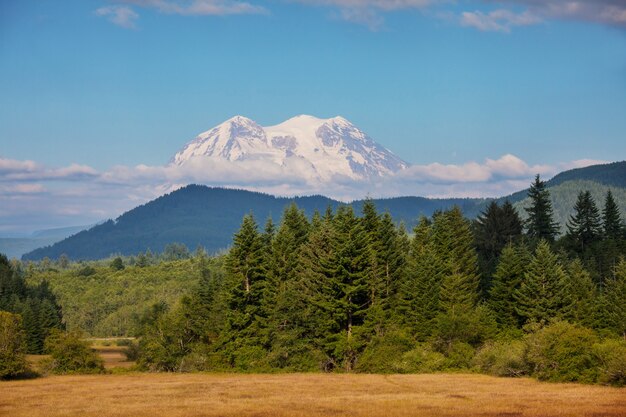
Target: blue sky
x,y
92,84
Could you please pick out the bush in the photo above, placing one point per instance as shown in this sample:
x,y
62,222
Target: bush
x,y
502,359
382,353
422,359
612,361
562,352
12,346
70,354
472,326
458,355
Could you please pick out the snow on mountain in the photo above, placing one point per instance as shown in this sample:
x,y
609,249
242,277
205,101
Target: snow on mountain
x,y
305,146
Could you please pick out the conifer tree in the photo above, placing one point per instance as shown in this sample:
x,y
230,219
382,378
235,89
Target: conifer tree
x,y
246,277
615,299
612,225
454,242
350,280
512,266
281,266
584,226
269,231
493,230
540,223
543,294
583,296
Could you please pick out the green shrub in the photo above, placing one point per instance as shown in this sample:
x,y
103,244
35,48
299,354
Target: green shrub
x,y
562,352
611,355
70,354
458,355
12,346
503,358
422,359
382,354
251,359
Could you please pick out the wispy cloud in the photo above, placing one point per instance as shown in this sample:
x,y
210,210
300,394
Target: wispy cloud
x,y
199,7
368,12
120,15
500,20
125,16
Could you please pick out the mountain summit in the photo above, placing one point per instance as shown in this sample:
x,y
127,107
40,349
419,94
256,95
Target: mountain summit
x,y
306,146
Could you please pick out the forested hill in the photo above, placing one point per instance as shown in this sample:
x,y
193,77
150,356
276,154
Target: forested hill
x,y
199,215
611,175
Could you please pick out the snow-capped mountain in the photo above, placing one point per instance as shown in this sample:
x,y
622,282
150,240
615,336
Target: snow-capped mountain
x,y
305,146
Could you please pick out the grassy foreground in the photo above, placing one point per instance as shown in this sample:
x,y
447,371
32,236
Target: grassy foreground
x,y
303,395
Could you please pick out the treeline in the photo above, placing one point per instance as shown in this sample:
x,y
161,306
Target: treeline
x,y
36,305
357,293
109,297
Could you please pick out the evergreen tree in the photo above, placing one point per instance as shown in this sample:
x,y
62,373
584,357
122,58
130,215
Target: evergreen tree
x,y
454,242
493,230
540,223
615,300
583,296
117,264
269,231
512,266
246,277
613,227
584,226
543,294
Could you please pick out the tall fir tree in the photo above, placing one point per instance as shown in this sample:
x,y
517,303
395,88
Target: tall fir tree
x,y
615,300
454,242
584,226
540,223
509,274
544,293
583,296
494,228
612,225
246,277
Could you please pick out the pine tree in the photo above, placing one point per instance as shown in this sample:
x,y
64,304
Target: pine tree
x,y
454,242
540,223
583,296
281,267
613,228
269,231
246,277
512,266
493,230
615,300
352,261
584,226
543,294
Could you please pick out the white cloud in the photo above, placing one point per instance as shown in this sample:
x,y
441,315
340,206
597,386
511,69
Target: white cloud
x,y
199,7
36,196
120,15
14,170
500,20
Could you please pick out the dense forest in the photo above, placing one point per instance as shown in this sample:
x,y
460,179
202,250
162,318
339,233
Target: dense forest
x,y
355,292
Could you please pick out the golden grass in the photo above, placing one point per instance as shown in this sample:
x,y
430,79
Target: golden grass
x,y
298,395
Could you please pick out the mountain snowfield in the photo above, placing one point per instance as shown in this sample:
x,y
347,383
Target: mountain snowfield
x,y
312,149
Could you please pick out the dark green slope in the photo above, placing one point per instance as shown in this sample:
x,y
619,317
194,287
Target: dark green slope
x,y
199,215
611,175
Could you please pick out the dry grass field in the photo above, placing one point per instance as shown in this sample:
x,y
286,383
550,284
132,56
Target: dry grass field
x,y
191,395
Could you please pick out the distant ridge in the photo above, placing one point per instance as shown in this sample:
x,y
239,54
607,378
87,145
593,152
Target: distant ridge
x,y
206,216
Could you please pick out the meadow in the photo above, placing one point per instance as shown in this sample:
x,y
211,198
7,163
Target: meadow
x,y
300,395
